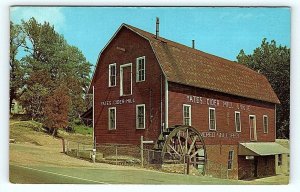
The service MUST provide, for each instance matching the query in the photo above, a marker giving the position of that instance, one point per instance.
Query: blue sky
(219, 31)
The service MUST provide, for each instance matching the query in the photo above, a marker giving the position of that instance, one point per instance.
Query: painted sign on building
(117, 102)
(217, 103)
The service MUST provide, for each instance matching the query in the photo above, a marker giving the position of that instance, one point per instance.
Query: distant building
(144, 83)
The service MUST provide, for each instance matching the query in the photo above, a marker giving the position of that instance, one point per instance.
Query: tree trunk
(54, 132)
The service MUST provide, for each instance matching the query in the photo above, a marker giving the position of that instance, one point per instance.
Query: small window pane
(237, 122)
(112, 118)
(265, 124)
(186, 115)
(140, 69)
(230, 160)
(140, 117)
(212, 119)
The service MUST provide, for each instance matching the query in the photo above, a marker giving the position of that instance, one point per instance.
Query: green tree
(274, 62)
(49, 53)
(16, 68)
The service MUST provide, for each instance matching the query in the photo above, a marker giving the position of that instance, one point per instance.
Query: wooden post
(188, 165)
(77, 150)
(116, 154)
(142, 152)
(63, 145)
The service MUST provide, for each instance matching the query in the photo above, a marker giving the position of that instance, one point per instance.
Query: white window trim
(137, 69)
(266, 116)
(209, 119)
(109, 76)
(136, 116)
(109, 126)
(231, 159)
(237, 112)
(190, 114)
(121, 78)
(255, 132)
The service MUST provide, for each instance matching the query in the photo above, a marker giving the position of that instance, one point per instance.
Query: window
(266, 123)
(126, 79)
(140, 116)
(111, 118)
(112, 75)
(212, 119)
(237, 118)
(252, 122)
(230, 160)
(140, 69)
(279, 159)
(187, 115)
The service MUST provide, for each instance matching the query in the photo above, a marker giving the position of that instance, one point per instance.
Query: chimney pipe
(193, 44)
(157, 27)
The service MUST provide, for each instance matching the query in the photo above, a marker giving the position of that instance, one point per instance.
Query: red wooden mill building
(144, 83)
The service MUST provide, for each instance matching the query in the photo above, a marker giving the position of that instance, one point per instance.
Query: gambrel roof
(185, 65)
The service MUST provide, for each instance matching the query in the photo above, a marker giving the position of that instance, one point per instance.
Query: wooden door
(126, 79)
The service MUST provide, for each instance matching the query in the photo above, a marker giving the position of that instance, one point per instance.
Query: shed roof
(262, 149)
(189, 66)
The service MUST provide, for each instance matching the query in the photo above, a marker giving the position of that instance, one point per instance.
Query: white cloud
(53, 15)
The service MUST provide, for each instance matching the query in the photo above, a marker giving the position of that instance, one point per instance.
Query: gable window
(112, 75)
(187, 114)
(212, 119)
(140, 69)
(265, 123)
(126, 79)
(140, 116)
(237, 117)
(230, 160)
(112, 118)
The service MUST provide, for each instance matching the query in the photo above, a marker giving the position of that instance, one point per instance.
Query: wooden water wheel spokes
(184, 144)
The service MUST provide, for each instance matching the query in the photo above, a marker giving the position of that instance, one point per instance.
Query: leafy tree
(56, 109)
(16, 69)
(274, 62)
(49, 53)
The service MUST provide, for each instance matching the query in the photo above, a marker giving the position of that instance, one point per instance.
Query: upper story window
(187, 115)
(212, 119)
(140, 116)
(237, 117)
(265, 123)
(112, 118)
(252, 123)
(140, 69)
(112, 75)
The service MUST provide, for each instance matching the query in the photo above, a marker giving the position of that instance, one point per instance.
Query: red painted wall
(147, 92)
(225, 114)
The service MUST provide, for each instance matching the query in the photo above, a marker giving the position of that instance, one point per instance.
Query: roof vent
(157, 28)
(193, 44)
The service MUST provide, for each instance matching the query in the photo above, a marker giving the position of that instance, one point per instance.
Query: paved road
(62, 175)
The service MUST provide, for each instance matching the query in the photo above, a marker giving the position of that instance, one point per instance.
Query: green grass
(82, 129)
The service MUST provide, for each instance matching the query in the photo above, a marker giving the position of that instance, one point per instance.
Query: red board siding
(225, 106)
(147, 92)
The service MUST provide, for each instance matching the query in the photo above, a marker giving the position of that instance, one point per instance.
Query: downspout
(94, 144)
(166, 103)
(275, 122)
(161, 110)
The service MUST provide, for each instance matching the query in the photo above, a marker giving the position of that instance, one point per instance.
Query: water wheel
(184, 144)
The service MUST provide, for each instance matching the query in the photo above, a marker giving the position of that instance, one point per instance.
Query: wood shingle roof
(188, 66)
